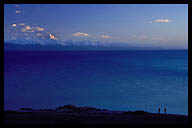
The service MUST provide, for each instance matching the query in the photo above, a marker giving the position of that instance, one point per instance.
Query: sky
(161, 25)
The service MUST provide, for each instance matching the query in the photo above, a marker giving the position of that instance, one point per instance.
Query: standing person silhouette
(159, 110)
(165, 111)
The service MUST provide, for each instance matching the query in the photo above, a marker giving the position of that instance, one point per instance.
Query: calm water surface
(115, 80)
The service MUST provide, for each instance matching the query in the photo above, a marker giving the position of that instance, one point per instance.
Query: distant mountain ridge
(57, 47)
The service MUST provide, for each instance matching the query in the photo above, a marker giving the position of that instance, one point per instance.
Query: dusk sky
(139, 24)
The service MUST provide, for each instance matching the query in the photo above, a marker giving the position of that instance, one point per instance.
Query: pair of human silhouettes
(165, 110)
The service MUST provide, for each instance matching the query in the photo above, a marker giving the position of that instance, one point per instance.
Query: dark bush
(138, 112)
(10, 111)
(67, 106)
(128, 112)
(26, 109)
(45, 110)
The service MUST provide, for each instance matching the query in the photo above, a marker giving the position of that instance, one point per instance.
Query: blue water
(115, 80)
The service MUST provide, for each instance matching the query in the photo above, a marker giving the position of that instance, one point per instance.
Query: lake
(115, 80)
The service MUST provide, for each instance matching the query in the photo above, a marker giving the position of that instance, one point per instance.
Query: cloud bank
(22, 30)
(105, 36)
(17, 11)
(80, 34)
(161, 20)
(13, 25)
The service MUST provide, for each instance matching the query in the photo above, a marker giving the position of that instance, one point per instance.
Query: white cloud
(17, 6)
(39, 34)
(13, 25)
(39, 29)
(161, 20)
(21, 24)
(23, 30)
(17, 11)
(28, 27)
(33, 31)
(80, 34)
(105, 36)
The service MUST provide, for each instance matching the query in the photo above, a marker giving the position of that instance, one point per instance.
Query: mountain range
(59, 45)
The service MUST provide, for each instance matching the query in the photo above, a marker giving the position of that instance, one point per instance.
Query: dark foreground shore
(107, 117)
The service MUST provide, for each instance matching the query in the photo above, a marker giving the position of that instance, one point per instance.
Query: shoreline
(70, 114)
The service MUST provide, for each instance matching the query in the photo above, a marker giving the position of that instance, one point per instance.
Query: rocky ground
(90, 117)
